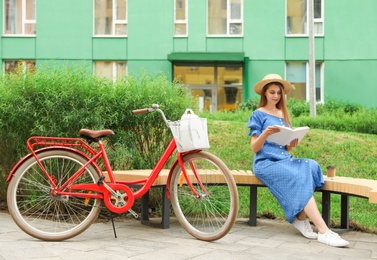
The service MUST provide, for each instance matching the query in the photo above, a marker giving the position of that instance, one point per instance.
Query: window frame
(114, 64)
(114, 22)
(178, 21)
(24, 64)
(320, 99)
(229, 21)
(24, 20)
(320, 21)
(316, 21)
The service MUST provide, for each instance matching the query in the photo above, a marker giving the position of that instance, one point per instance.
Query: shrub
(298, 107)
(334, 115)
(59, 100)
(250, 104)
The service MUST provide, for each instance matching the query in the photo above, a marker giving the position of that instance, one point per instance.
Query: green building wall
(348, 47)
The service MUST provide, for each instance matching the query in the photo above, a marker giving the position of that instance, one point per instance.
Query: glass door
(214, 86)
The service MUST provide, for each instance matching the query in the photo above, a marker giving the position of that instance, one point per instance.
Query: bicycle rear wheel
(45, 216)
(211, 214)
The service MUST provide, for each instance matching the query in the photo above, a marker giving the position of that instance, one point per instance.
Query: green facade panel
(225, 44)
(64, 29)
(18, 48)
(264, 22)
(151, 29)
(347, 48)
(297, 49)
(180, 44)
(197, 27)
(351, 33)
(152, 66)
(352, 81)
(110, 48)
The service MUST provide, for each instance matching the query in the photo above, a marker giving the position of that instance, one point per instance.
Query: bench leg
(344, 217)
(253, 205)
(165, 209)
(165, 221)
(344, 209)
(326, 201)
(145, 207)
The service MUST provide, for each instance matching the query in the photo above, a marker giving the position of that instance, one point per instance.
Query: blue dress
(291, 180)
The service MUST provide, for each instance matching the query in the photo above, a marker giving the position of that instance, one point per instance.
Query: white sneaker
(305, 228)
(332, 239)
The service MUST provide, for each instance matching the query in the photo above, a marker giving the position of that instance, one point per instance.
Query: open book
(287, 135)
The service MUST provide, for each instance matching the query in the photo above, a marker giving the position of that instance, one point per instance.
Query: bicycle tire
(42, 215)
(211, 215)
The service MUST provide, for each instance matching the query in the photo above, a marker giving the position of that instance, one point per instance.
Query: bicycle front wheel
(43, 215)
(210, 213)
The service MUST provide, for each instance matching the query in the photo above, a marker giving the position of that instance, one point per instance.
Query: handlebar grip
(140, 111)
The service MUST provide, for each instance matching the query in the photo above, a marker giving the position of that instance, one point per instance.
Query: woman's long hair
(282, 104)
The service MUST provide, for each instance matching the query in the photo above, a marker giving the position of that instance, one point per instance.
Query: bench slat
(353, 186)
(339, 184)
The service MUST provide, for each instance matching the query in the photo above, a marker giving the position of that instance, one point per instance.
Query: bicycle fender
(20, 162)
(16, 166)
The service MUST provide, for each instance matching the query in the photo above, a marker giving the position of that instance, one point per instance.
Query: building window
(180, 18)
(297, 74)
(318, 17)
(297, 18)
(110, 17)
(19, 17)
(214, 86)
(10, 66)
(225, 17)
(110, 69)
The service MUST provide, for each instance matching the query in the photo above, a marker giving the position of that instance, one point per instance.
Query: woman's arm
(257, 142)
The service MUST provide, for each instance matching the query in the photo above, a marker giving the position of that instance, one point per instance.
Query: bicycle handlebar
(153, 108)
(140, 111)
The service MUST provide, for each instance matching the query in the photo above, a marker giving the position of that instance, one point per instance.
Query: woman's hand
(271, 130)
(292, 144)
(258, 142)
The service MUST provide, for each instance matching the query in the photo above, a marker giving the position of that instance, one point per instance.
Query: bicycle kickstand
(112, 221)
(101, 182)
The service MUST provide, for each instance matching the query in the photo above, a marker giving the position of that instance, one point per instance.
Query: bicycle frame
(107, 189)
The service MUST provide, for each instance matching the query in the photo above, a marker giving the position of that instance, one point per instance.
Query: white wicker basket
(190, 133)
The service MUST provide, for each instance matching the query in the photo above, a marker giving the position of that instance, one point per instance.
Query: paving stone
(270, 239)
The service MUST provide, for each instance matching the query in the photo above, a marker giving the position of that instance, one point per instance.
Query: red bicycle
(56, 191)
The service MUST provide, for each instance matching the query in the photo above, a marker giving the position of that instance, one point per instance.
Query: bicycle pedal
(134, 214)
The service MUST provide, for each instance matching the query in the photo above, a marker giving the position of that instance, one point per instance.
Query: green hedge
(334, 115)
(59, 100)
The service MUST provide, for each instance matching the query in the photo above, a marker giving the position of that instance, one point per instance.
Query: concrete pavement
(268, 240)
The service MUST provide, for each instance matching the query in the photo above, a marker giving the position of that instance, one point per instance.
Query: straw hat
(272, 78)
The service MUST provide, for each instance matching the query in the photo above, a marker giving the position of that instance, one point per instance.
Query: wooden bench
(344, 186)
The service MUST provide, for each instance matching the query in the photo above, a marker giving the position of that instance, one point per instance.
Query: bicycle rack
(36, 142)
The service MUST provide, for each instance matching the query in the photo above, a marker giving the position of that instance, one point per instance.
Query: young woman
(291, 180)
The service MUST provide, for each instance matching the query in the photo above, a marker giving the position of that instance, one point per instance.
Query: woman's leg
(325, 235)
(301, 216)
(313, 213)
